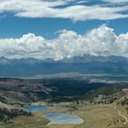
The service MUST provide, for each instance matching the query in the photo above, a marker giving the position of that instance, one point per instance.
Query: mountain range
(85, 64)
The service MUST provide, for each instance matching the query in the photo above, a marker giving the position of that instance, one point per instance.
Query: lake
(33, 108)
(59, 118)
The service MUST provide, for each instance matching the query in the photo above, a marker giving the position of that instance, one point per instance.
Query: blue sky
(51, 19)
(15, 26)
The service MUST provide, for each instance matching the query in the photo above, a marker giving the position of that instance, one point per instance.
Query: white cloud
(116, 1)
(100, 41)
(71, 9)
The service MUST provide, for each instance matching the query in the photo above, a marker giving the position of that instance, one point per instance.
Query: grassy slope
(95, 116)
(27, 122)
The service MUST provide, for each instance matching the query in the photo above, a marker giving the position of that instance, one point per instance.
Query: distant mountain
(88, 58)
(85, 64)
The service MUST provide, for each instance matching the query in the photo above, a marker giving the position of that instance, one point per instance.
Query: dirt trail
(120, 113)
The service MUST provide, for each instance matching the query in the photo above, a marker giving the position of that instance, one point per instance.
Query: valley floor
(94, 116)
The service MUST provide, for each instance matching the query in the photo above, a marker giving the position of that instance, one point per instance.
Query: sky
(59, 29)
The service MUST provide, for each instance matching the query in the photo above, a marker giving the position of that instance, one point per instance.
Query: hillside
(55, 89)
(8, 112)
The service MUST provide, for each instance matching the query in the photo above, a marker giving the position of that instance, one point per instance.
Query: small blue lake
(32, 108)
(58, 118)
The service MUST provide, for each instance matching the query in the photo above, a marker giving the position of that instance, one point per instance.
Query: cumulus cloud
(100, 41)
(69, 9)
